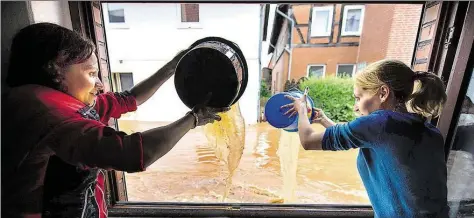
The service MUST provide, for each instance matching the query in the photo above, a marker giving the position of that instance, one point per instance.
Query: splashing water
(288, 150)
(227, 137)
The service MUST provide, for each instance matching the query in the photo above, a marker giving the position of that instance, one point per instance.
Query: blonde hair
(422, 93)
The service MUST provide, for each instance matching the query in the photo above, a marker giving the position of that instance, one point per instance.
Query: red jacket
(39, 123)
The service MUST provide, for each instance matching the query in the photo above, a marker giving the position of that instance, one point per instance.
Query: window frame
(330, 9)
(110, 25)
(116, 80)
(187, 25)
(316, 65)
(116, 195)
(353, 69)
(344, 21)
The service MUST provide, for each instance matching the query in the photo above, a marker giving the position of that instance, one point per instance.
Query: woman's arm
(90, 143)
(310, 140)
(145, 89)
(115, 104)
(159, 141)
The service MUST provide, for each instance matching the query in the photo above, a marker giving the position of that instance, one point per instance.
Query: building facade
(318, 40)
(142, 37)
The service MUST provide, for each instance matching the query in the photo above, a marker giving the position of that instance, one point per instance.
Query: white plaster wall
(152, 36)
(19, 14)
(266, 44)
(51, 11)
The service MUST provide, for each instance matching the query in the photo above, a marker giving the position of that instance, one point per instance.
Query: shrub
(332, 94)
(264, 90)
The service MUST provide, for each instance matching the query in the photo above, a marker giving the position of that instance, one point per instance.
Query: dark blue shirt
(401, 162)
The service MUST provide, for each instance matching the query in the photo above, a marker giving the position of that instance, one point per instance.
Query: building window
(189, 16)
(122, 81)
(189, 12)
(345, 70)
(116, 13)
(352, 20)
(316, 70)
(321, 21)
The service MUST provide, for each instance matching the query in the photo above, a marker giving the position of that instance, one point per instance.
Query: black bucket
(214, 65)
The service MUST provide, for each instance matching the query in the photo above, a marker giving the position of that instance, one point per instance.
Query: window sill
(320, 36)
(144, 209)
(116, 26)
(190, 27)
(350, 35)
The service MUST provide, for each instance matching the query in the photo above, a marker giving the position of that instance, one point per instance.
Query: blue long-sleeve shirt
(401, 162)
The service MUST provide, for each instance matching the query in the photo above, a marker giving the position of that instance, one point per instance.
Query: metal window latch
(449, 37)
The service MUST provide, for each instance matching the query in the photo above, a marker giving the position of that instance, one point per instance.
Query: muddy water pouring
(216, 65)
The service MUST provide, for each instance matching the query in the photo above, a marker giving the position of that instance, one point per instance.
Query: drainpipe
(262, 12)
(290, 50)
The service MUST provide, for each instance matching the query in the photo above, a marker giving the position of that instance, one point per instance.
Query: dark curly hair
(40, 52)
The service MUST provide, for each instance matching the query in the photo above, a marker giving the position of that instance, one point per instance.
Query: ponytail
(422, 93)
(428, 96)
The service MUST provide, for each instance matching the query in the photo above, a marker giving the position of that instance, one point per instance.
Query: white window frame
(187, 25)
(105, 11)
(316, 65)
(330, 20)
(353, 68)
(361, 23)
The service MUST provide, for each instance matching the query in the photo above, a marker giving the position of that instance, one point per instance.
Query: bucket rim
(236, 48)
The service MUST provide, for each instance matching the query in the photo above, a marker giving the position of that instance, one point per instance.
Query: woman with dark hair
(56, 144)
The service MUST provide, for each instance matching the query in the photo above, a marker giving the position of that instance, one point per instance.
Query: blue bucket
(275, 114)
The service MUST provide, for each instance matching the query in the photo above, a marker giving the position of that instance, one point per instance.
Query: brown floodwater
(190, 172)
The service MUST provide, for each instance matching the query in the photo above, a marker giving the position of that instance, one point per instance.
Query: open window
(192, 166)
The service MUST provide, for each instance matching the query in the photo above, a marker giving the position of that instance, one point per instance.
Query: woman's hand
(207, 115)
(319, 115)
(298, 106)
(204, 115)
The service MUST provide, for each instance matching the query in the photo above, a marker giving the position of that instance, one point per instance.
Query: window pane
(193, 171)
(353, 20)
(345, 70)
(320, 22)
(126, 81)
(461, 157)
(316, 71)
(116, 14)
(189, 12)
